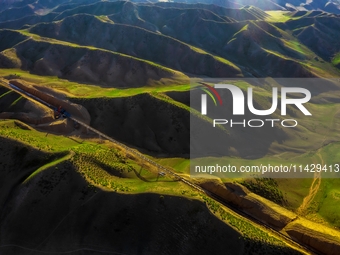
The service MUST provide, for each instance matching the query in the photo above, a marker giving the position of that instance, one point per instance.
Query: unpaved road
(313, 190)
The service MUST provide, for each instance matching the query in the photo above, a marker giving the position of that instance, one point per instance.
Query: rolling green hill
(129, 64)
(196, 40)
(101, 196)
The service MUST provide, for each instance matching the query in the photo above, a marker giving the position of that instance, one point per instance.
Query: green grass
(294, 190)
(250, 231)
(90, 159)
(315, 136)
(180, 164)
(245, 28)
(105, 19)
(304, 56)
(327, 203)
(16, 101)
(227, 62)
(88, 154)
(11, 54)
(299, 47)
(38, 38)
(278, 16)
(309, 138)
(6, 93)
(48, 165)
(74, 89)
(42, 141)
(265, 187)
(336, 59)
(100, 163)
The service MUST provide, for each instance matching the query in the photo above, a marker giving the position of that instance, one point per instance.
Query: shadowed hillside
(155, 123)
(27, 21)
(87, 219)
(291, 5)
(15, 106)
(16, 13)
(76, 63)
(321, 34)
(196, 39)
(131, 66)
(76, 215)
(82, 29)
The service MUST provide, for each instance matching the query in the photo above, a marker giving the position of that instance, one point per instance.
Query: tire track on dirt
(313, 190)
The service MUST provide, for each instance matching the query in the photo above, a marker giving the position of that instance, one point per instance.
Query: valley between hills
(126, 69)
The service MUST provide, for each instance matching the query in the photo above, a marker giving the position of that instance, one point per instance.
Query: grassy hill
(82, 29)
(52, 57)
(194, 39)
(101, 196)
(129, 65)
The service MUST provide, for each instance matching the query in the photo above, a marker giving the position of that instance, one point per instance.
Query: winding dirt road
(313, 190)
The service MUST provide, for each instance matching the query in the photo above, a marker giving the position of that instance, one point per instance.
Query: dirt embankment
(254, 205)
(16, 106)
(75, 110)
(316, 236)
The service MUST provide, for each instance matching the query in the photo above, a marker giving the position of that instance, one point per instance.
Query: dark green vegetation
(122, 44)
(162, 126)
(92, 198)
(267, 188)
(129, 65)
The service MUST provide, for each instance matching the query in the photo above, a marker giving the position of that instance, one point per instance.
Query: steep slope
(42, 4)
(99, 8)
(325, 5)
(143, 121)
(332, 8)
(229, 14)
(263, 5)
(87, 208)
(10, 38)
(156, 123)
(46, 11)
(266, 50)
(212, 36)
(15, 13)
(83, 29)
(27, 21)
(73, 62)
(194, 40)
(321, 34)
(61, 200)
(162, 11)
(14, 106)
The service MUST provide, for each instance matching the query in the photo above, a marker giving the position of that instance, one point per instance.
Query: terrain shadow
(61, 212)
(138, 174)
